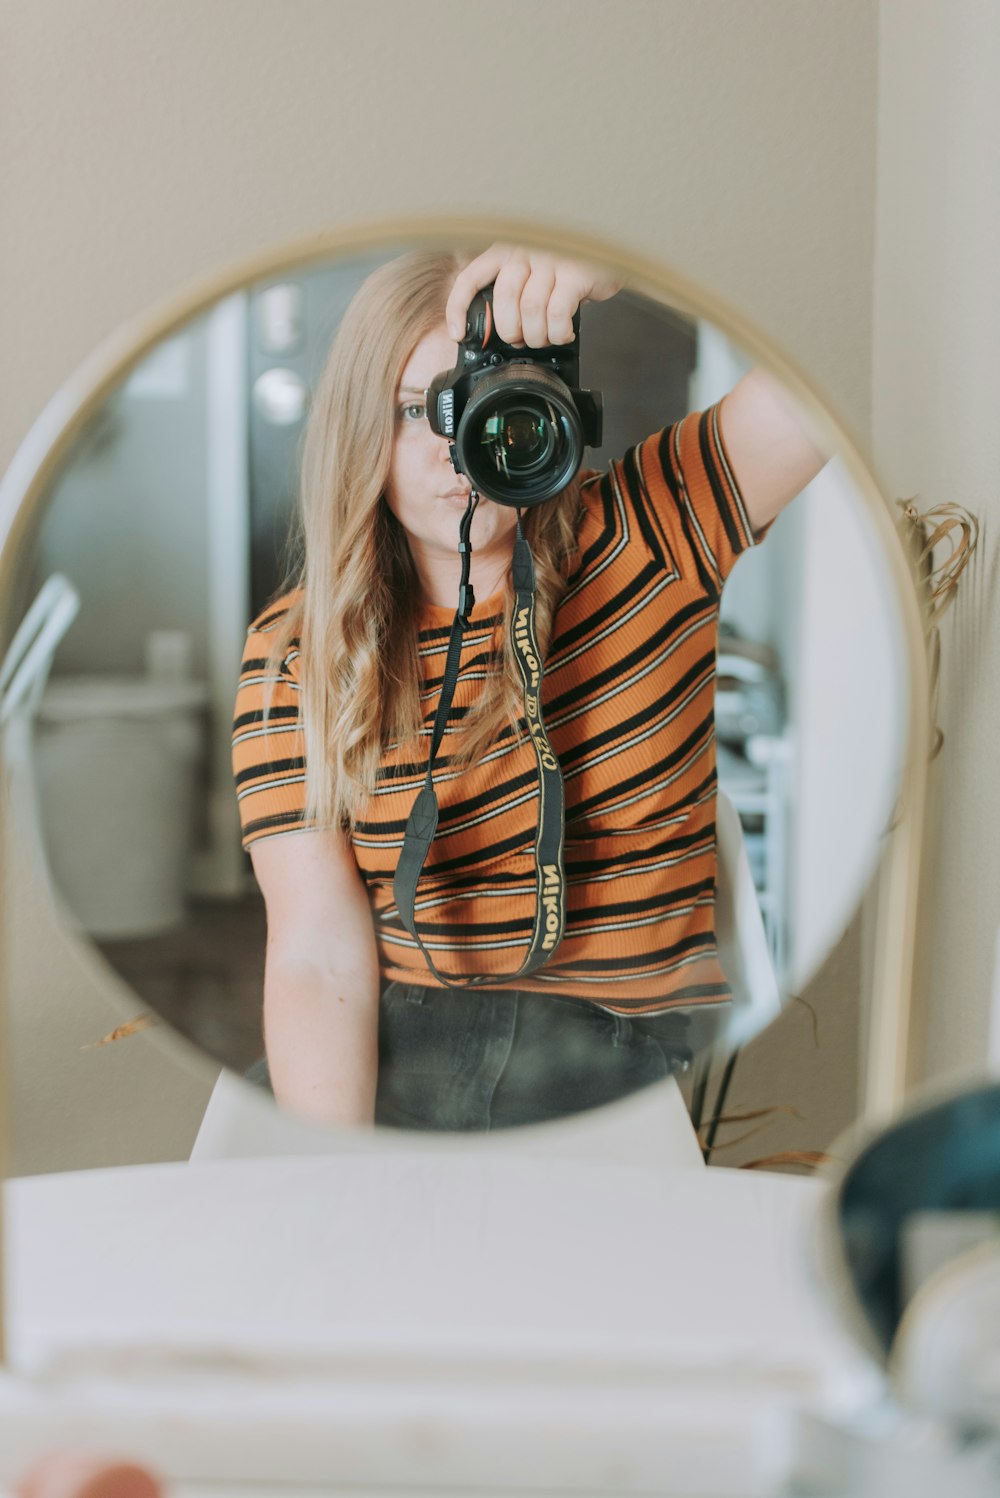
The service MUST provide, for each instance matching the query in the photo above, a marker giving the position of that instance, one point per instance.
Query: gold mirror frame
(24, 488)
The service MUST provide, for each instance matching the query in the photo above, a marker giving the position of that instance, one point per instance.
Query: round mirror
(151, 520)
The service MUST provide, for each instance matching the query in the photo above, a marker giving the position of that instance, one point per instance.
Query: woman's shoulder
(277, 612)
(273, 639)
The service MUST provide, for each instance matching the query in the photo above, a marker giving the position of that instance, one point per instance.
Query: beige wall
(936, 399)
(144, 144)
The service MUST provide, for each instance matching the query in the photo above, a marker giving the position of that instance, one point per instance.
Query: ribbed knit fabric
(628, 696)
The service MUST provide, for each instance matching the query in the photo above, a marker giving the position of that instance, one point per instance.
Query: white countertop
(445, 1319)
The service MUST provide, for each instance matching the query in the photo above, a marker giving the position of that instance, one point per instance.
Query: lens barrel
(520, 439)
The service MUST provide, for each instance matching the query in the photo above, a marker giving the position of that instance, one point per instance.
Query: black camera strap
(550, 880)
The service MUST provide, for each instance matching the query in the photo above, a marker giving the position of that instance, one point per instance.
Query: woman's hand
(534, 296)
(79, 1474)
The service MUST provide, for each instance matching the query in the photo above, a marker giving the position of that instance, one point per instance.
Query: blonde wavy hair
(356, 617)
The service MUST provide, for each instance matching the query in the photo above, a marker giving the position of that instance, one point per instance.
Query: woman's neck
(441, 575)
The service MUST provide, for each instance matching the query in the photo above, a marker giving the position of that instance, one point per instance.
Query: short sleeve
(269, 763)
(691, 488)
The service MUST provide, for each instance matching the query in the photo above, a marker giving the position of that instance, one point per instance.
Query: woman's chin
(493, 524)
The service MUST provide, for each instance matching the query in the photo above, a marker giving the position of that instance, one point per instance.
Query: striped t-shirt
(628, 699)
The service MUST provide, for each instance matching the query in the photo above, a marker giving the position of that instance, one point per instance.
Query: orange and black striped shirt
(628, 698)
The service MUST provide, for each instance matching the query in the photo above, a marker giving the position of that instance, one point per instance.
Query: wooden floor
(206, 978)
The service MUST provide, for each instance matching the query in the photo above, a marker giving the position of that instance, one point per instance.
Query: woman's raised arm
(770, 447)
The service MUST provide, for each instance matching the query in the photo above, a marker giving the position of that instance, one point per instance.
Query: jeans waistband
(418, 993)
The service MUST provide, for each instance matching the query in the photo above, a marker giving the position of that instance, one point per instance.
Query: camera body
(516, 418)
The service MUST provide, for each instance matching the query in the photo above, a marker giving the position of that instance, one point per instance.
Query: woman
(630, 566)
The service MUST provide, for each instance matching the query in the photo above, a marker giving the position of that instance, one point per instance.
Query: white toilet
(116, 764)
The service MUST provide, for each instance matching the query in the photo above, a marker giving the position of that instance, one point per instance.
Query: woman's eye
(415, 411)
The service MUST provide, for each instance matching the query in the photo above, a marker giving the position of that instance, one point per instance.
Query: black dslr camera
(517, 422)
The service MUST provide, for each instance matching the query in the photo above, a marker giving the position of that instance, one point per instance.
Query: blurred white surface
(432, 1318)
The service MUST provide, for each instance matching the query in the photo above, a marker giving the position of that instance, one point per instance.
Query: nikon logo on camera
(446, 411)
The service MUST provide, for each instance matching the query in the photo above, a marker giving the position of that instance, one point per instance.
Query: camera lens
(520, 439)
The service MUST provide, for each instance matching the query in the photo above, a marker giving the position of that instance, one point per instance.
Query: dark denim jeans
(455, 1059)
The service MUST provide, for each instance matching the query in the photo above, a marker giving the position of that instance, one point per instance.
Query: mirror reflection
(688, 919)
